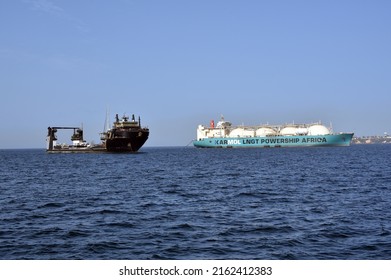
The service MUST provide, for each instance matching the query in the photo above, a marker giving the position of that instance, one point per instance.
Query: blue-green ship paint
(224, 135)
(342, 139)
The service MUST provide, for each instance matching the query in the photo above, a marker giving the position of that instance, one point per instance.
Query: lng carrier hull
(225, 135)
(342, 139)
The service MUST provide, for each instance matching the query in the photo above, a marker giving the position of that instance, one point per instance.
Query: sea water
(188, 203)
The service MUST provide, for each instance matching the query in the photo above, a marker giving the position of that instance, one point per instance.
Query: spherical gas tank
(288, 130)
(241, 132)
(237, 132)
(265, 131)
(318, 129)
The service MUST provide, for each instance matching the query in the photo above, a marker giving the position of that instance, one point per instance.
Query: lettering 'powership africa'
(225, 135)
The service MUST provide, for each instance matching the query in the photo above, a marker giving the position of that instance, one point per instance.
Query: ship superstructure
(125, 135)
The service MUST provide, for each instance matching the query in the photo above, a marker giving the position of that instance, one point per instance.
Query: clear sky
(182, 63)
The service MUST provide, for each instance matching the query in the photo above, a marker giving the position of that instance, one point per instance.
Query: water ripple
(176, 203)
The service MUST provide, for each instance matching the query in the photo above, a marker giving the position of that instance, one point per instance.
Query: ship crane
(77, 134)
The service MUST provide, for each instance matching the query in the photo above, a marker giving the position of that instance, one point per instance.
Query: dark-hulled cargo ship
(124, 136)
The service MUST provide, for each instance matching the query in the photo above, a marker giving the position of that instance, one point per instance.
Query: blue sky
(182, 63)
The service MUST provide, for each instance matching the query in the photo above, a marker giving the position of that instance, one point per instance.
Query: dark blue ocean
(187, 203)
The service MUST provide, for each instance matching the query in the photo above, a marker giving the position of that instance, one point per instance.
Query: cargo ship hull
(127, 141)
(343, 139)
(125, 136)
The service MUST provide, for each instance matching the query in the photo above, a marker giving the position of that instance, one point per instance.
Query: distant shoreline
(372, 140)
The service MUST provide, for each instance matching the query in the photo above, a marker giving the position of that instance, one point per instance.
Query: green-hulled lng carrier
(225, 135)
(124, 136)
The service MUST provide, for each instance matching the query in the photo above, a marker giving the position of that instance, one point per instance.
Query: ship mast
(107, 122)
